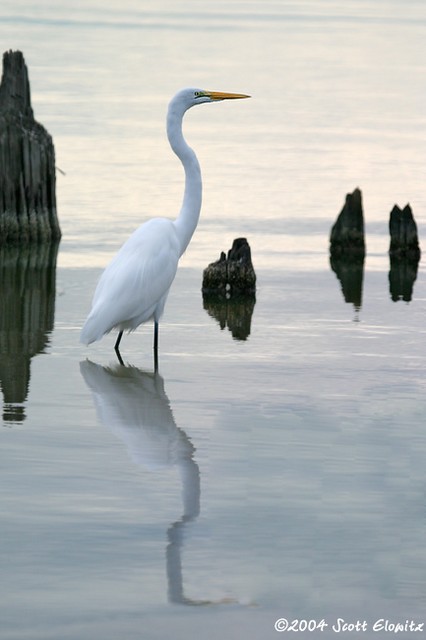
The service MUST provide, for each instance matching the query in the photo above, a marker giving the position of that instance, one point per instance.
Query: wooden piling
(27, 163)
(404, 241)
(347, 233)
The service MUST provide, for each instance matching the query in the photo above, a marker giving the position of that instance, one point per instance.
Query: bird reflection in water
(134, 406)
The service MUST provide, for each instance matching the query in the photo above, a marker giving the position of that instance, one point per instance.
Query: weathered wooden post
(404, 253)
(404, 242)
(347, 233)
(29, 236)
(347, 249)
(27, 163)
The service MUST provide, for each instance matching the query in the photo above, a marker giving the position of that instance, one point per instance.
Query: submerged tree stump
(347, 249)
(229, 289)
(27, 163)
(404, 253)
(404, 242)
(231, 275)
(347, 233)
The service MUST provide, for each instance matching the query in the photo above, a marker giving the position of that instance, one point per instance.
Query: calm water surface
(275, 467)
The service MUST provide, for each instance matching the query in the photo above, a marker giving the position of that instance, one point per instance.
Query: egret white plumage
(134, 287)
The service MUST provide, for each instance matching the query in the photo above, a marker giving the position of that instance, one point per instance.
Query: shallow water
(282, 475)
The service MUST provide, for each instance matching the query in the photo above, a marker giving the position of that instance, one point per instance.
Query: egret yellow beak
(220, 95)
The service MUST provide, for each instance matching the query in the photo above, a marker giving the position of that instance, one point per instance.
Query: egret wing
(135, 281)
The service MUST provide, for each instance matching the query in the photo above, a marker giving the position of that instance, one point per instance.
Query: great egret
(134, 287)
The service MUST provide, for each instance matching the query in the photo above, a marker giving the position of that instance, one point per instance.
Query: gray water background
(278, 476)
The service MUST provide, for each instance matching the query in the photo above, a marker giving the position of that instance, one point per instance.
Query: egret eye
(198, 94)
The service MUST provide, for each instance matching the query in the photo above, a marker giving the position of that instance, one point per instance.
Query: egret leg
(155, 336)
(116, 347)
(156, 346)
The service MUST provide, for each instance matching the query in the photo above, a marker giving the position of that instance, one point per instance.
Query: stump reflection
(404, 253)
(234, 312)
(350, 273)
(402, 276)
(27, 309)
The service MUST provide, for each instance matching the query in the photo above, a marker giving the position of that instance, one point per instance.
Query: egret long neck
(187, 219)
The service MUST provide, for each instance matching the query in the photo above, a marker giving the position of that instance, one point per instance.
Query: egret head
(187, 98)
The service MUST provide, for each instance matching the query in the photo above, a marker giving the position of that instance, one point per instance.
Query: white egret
(133, 288)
